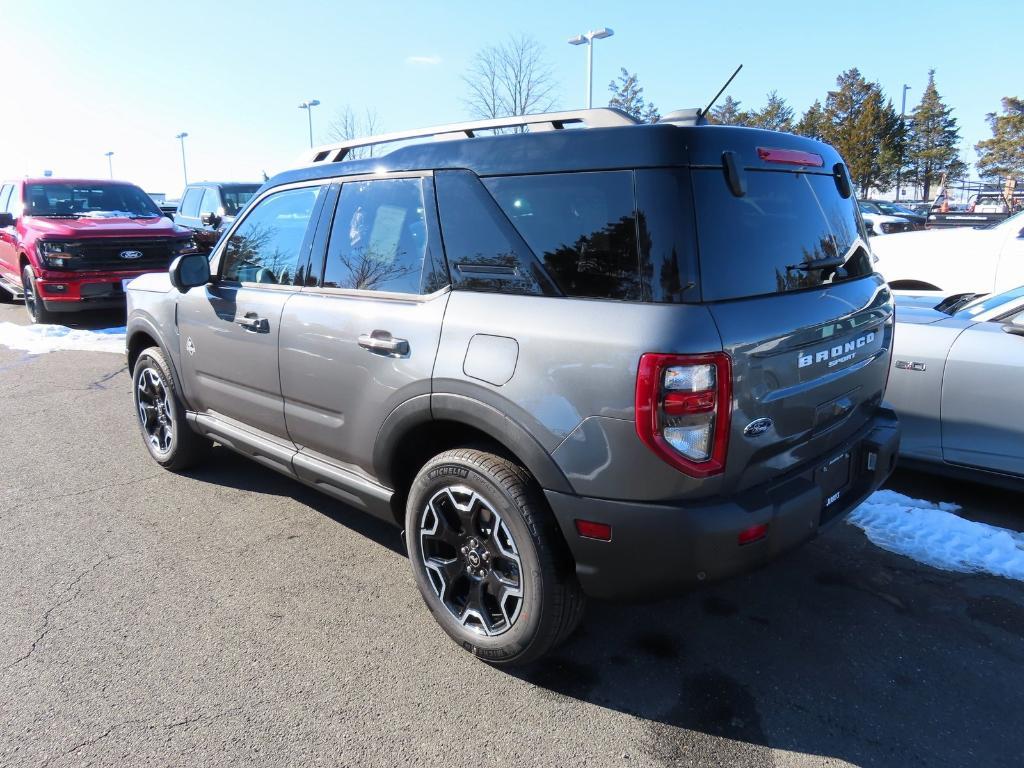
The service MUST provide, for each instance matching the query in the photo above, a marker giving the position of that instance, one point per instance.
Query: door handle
(255, 324)
(382, 341)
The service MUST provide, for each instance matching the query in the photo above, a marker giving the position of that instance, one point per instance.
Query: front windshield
(986, 303)
(88, 200)
(868, 207)
(895, 209)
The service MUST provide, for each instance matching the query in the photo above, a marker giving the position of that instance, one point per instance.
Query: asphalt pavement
(231, 617)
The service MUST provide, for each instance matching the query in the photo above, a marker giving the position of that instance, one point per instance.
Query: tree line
(513, 77)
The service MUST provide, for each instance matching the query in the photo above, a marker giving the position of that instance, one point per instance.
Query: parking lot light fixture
(184, 168)
(110, 163)
(587, 39)
(308, 106)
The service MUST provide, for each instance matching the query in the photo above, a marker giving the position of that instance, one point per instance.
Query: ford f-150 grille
(136, 254)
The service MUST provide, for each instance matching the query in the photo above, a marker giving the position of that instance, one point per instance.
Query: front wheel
(488, 558)
(161, 414)
(37, 311)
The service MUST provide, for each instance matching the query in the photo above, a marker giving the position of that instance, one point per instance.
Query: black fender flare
(473, 413)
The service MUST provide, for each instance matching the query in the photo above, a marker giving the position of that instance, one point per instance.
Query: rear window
(755, 244)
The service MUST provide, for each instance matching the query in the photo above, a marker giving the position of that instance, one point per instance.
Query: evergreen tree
(628, 95)
(1003, 154)
(812, 124)
(932, 140)
(776, 115)
(728, 113)
(865, 129)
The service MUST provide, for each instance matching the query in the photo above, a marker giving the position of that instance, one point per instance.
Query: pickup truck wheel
(33, 304)
(488, 558)
(161, 414)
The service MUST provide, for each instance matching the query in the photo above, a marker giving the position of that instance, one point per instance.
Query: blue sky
(83, 78)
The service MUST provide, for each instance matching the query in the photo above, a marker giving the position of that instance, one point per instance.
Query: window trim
(217, 257)
(433, 240)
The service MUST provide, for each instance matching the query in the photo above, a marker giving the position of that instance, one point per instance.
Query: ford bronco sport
(72, 244)
(588, 358)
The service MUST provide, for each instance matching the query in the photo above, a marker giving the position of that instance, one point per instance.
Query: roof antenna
(707, 109)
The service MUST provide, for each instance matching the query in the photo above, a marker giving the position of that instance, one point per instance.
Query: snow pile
(37, 339)
(933, 535)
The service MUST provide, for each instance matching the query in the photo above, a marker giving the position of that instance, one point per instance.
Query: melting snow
(37, 339)
(933, 535)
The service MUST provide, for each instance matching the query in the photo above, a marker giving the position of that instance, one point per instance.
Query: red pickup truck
(72, 244)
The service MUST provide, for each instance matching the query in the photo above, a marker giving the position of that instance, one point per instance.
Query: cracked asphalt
(231, 617)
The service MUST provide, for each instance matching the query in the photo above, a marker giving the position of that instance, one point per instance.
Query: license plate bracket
(832, 477)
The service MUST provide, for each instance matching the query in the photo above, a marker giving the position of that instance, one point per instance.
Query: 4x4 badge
(189, 346)
(758, 427)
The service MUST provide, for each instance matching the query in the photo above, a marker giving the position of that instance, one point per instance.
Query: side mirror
(210, 219)
(6, 220)
(190, 270)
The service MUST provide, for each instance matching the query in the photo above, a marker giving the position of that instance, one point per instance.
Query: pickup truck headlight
(886, 227)
(57, 254)
(187, 245)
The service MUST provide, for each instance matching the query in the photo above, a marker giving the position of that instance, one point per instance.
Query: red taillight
(752, 534)
(683, 404)
(789, 157)
(588, 529)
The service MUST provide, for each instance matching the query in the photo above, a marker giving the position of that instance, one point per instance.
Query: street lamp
(308, 106)
(110, 163)
(184, 168)
(588, 39)
(903, 127)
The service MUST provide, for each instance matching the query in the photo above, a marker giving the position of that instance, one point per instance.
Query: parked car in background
(617, 361)
(987, 260)
(72, 244)
(879, 223)
(957, 383)
(209, 207)
(886, 208)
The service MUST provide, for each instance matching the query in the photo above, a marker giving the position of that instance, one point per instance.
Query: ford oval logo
(758, 427)
(131, 255)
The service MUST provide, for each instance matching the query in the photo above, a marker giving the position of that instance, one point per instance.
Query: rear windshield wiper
(818, 264)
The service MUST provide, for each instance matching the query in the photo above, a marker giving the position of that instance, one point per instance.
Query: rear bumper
(661, 549)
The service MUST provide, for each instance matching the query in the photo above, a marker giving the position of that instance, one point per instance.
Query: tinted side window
(581, 225)
(190, 202)
(5, 195)
(668, 242)
(484, 250)
(755, 244)
(14, 203)
(211, 202)
(270, 246)
(378, 239)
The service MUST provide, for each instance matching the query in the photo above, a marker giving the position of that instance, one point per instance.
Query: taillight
(683, 404)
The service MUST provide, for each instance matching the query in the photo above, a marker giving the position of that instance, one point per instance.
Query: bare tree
(508, 79)
(348, 125)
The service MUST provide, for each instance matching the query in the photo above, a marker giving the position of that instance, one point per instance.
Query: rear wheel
(161, 414)
(488, 558)
(37, 312)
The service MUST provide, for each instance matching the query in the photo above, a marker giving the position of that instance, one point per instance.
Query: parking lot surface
(228, 616)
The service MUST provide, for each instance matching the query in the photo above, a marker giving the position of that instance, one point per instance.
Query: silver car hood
(919, 309)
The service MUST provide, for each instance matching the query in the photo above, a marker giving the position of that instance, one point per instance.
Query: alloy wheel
(154, 405)
(471, 560)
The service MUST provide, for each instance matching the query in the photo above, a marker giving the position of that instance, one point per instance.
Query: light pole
(308, 106)
(110, 163)
(184, 168)
(903, 127)
(588, 39)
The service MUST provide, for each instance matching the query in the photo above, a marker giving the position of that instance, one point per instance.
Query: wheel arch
(426, 425)
(143, 334)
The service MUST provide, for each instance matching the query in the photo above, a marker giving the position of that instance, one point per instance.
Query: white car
(957, 260)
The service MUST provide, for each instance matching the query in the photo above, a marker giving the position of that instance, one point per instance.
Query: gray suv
(588, 357)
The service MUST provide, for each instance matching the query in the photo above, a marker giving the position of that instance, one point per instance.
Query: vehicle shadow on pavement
(94, 320)
(228, 469)
(840, 650)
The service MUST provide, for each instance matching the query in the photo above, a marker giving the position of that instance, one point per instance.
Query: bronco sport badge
(840, 353)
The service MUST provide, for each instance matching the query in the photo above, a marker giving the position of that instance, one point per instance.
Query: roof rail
(551, 121)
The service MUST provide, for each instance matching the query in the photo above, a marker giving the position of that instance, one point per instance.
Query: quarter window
(581, 225)
(270, 246)
(378, 239)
